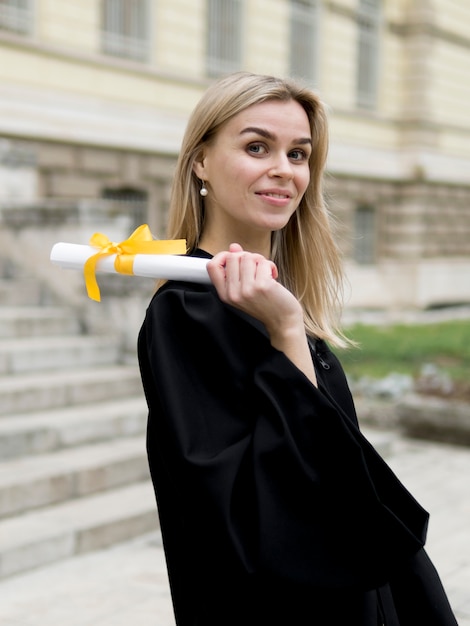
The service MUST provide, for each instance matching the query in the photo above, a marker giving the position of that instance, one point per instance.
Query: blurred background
(94, 99)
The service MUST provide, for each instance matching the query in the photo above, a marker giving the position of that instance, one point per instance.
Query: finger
(248, 269)
(232, 273)
(217, 263)
(274, 270)
(216, 269)
(265, 268)
(224, 272)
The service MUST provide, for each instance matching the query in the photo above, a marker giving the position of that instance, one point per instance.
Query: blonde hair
(304, 250)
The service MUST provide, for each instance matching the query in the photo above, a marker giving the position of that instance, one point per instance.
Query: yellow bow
(140, 242)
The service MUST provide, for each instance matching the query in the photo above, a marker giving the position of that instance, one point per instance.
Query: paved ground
(127, 585)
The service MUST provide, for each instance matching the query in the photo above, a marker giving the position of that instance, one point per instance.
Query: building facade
(94, 98)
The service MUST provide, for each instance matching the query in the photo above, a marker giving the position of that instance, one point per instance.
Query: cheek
(303, 181)
(242, 173)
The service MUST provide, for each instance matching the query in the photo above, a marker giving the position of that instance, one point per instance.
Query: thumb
(235, 247)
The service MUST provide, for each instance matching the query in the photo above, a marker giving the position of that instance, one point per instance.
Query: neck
(213, 245)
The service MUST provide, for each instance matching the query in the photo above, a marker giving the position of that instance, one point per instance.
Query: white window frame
(16, 16)
(304, 34)
(224, 36)
(368, 50)
(125, 29)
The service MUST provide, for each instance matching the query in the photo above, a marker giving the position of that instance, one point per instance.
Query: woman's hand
(248, 282)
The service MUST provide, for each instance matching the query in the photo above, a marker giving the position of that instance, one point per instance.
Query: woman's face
(256, 170)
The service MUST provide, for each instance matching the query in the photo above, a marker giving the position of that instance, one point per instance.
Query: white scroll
(164, 266)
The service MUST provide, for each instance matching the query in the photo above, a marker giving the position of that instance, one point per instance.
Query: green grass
(406, 348)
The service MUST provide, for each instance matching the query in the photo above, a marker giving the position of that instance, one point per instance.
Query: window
(368, 52)
(224, 36)
(364, 235)
(125, 28)
(16, 16)
(129, 202)
(303, 39)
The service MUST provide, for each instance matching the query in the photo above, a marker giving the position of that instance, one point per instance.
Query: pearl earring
(203, 190)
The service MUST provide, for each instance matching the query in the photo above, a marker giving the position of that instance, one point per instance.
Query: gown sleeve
(267, 472)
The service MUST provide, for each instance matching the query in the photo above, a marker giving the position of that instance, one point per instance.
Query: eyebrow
(268, 135)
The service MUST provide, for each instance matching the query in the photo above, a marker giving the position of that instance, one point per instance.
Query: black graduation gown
(274, 509)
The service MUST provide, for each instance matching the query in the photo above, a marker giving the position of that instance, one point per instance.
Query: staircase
(73, 469)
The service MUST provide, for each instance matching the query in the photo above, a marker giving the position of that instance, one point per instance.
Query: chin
(277, 224)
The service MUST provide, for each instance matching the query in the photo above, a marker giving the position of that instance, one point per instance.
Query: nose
(281, 167)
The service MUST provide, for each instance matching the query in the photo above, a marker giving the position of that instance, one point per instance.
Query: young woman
(274, 509)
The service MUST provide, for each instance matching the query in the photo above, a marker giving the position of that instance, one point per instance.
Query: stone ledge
(434, 418)
(418, 416)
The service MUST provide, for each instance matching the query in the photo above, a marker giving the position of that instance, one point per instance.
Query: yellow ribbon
(140, 242)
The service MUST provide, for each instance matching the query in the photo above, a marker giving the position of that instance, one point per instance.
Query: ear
(199, 165)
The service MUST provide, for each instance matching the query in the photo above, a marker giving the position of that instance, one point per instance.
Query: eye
(257, 149)
(298, 155)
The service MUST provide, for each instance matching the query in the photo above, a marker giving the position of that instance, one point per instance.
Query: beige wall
(424, 58)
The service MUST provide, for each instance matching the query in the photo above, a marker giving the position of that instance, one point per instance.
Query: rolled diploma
(168, 266)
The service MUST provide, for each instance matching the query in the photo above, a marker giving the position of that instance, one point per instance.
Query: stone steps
(39, 481)
(55, 429)
(41, 537)
(37, 392)
(14, 293)
(73, 469)
(29, 354)
(31, 321)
